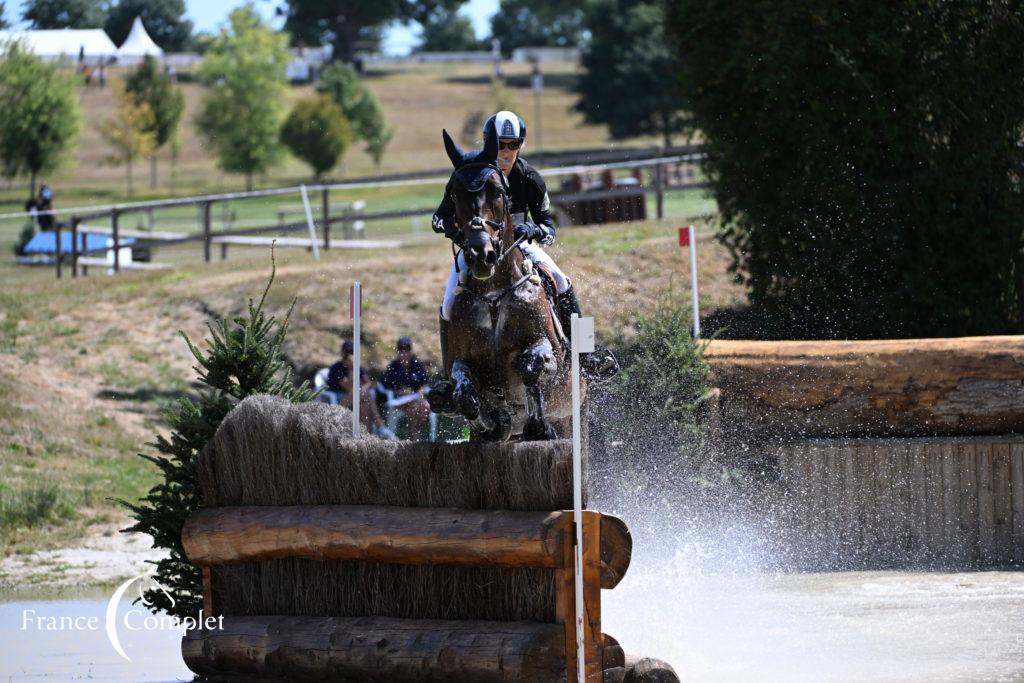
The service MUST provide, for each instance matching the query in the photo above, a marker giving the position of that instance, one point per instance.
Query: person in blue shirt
(405, 376)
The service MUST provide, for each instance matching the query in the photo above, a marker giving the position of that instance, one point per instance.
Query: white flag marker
(355, 312)
(582, 333)
(688, 238)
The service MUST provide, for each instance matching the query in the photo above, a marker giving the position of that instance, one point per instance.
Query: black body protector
(529, 203)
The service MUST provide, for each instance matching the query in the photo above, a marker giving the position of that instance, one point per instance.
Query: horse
(508, 356)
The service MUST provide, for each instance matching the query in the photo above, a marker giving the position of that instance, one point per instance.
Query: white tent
(92, 43)
(137, 45)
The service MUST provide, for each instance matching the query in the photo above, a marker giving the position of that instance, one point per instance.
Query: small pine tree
(317, 132)
(243, 357)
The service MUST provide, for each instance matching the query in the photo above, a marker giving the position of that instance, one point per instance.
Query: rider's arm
(540, 205)
(444, 219)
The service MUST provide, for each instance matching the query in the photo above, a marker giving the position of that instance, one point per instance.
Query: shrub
(317, 132)
(864, 158)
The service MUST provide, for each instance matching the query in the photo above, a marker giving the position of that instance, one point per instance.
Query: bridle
(479, 223)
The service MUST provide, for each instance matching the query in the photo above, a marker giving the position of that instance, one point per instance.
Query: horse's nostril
(491, 258)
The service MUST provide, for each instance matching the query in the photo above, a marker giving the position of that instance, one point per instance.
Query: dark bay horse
(509, 363)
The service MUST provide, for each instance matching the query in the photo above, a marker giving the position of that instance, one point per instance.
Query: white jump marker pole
(688, 237)
(356, 311)
(310, 223)
(582, 333)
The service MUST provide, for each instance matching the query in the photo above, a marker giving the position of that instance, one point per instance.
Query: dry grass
(418, 101)
(87, 363)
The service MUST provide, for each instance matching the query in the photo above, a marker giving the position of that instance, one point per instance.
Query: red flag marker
(684, 236)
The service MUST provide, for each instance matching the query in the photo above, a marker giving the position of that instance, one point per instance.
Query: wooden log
(472, 538)
(377, 649)
(649, 670)
(970, 385)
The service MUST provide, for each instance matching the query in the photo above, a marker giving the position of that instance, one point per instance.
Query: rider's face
(506, 156)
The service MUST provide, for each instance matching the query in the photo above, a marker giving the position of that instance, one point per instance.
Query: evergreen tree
(445, 30)
(39, 115)
(535, 23)
(151, 84)
(243, 357)
(241, 113)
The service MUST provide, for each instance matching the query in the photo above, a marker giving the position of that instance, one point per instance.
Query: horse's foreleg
(467, 400)
(534, 363)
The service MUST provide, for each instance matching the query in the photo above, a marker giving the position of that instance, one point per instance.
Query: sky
(207, 15)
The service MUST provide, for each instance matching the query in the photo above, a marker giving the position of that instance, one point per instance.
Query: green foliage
(865, 160)
(349, 24)
(150, 84)
(33, 505)
(447, 31)
(628, 65)
(317, 132)
(4, 24)
(360, 107)
(39, 115)
(243, 357)
(129, 133)
(519, 23)
(241, 113)
(164, 20)
(52, 14)
(663, 377)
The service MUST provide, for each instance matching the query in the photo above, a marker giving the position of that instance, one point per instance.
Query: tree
(866, 162)
(447, 31)
(4, 24)
(240, 115)
(164, 20)
(344, 23)
(51, 14)
(129, 132)
(360, 107)
(317, 132)
(628, 67)
(242, 358)
(150, 84)
(550, 23)
(39, 115)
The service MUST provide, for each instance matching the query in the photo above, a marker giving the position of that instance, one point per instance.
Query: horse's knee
(534, 362)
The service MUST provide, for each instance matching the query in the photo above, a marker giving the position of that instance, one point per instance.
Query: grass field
(87, 364)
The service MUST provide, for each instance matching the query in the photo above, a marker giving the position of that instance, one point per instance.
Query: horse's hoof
(502, 429)
(466, 403)
(538, 430)
(441, 400)
(599, 365)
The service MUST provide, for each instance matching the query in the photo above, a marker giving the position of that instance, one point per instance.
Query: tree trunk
(908, 387)
(152, 170)
(128, 168)
(248, 182)
(32, 185)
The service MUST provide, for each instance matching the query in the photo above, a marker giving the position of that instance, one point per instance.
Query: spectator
(45, 203)
(339, 380)
(406, 377)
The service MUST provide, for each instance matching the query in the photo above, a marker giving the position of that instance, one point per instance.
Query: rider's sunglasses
(511, 144)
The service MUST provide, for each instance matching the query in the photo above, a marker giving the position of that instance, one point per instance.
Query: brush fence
(363, 560)
(924, 501)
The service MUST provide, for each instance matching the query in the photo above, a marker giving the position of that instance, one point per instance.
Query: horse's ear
(453, 151)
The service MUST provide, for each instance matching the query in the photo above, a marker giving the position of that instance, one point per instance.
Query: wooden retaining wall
(940, 501)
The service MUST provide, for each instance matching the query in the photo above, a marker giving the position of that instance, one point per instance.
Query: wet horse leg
(533, 363)
(465, 397)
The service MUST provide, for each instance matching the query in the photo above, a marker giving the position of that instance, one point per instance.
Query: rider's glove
(529, 232)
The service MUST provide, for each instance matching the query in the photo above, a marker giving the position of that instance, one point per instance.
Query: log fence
(379, 648)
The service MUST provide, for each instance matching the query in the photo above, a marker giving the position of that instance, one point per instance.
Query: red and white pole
(688, 238)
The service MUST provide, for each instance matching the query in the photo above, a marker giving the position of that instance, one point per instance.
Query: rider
(528, 194)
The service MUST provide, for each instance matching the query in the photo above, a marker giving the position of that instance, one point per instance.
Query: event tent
(137, 45)
(93, 44)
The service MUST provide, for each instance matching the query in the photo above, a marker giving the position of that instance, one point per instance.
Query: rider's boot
(597, 365)
(440, 395)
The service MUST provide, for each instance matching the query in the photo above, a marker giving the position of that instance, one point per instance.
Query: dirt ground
(88, 363)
